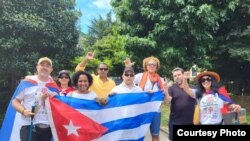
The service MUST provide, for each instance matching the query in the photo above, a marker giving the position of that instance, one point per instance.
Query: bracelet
(22, 112)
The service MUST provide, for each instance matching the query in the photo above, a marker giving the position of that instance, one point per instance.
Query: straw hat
(208, 73)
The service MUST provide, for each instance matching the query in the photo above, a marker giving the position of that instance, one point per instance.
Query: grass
(248, 118)
(165, 116)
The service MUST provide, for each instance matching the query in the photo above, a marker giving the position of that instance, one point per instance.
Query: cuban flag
(126, 117)
(10, 130)
(223, 94)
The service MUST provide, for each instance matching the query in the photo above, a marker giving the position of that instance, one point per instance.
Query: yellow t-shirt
(100, 88)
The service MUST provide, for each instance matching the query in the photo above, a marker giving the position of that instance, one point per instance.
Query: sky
(91, 9)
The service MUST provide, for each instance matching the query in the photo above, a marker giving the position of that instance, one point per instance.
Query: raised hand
(90, 55)
(186, 75)
(165, 86)
(128, 62)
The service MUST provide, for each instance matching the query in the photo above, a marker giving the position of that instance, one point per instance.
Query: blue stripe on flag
(140, 139)
(224, 98)
(129, 123)
(53, 89)
(116, 100)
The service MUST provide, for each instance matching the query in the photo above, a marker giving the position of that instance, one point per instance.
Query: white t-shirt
(89, 96)
(123, 88)
(31, 96)
(148, 86)
(210, 105)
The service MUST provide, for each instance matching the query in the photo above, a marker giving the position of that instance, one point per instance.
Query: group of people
(181, 95)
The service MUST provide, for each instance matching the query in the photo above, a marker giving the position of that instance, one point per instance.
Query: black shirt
(182, 105)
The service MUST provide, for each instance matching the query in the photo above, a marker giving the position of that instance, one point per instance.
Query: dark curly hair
(76, 76)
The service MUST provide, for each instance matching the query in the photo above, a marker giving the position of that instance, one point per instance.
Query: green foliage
(104, 39)
(211, 34)
(110, 49)
(183, 31)
(32, 29)
(239, 45)
(99, 28)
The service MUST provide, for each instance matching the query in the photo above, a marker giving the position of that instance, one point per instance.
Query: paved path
(163, 136)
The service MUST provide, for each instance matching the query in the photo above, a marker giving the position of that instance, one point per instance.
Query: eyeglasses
(64, 77)
(103, 69)
(131, 75)
(209, 79)
(151, 64)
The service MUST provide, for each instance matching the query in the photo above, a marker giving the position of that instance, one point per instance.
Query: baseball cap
(63, 72)
(44, 59)
(128, 69)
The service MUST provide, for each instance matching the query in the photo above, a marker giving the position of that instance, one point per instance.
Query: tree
(109, 49)
(209, 33)
(104, 39)
(32, 29)
(184, 31)
(233, 54)
(99, 28)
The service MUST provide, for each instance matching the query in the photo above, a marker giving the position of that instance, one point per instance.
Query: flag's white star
(72, 129)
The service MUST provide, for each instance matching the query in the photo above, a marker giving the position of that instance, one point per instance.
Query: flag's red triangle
(86, 129)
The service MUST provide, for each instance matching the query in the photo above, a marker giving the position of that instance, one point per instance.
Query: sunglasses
(154, 65)
(103, 69)
(130, 75)
(209, 79)
(64, 77)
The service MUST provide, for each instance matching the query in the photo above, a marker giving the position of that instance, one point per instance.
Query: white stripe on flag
(15, 134)
(106, 115)
(52, 126)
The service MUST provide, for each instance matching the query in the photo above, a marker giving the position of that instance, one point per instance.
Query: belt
(40, 125)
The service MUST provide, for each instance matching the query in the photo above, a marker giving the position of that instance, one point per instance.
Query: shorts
(156, 125)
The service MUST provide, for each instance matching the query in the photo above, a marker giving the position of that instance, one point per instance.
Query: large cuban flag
(126, 117)
(11, 123)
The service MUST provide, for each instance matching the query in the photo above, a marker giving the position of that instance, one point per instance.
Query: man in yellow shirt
(102, 85)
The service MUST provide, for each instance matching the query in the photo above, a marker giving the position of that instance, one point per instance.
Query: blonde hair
(146, 60)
